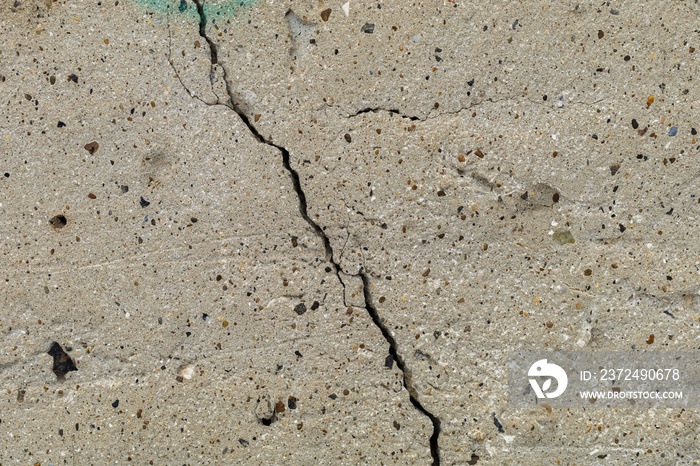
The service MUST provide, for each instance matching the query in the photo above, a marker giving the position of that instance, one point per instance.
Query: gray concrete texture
(311, 232)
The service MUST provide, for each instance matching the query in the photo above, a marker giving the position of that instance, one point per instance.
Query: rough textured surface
(311, 232)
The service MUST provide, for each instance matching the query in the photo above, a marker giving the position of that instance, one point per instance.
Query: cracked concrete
(311, 232)
(365, 281)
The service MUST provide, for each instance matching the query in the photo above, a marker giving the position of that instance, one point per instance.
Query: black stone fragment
(389, 361)
(368, 28)
(498, 424)
(62, 363)
(300, 308)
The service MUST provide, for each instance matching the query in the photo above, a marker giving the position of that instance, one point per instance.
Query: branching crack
(303, 210)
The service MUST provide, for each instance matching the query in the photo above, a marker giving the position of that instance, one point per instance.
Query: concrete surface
(311, 232)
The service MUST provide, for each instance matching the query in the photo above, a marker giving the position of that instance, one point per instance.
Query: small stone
(300, 308)
(92, 147)
(186, 371)
(635, 125)
(144, 202)
(292, 402)
(73, 78)
(115, 404)
(563, 237)
(368, 28)
(673, 131)
(614, 168)
(389, 362)
(325, 14)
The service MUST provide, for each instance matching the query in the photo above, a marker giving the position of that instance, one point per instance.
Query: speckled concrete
(312, 232)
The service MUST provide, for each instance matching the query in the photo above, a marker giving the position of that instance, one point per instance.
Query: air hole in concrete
(59, 221)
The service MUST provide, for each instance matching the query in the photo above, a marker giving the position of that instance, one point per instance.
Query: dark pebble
(673, 131)
(183, 6)
(300, 308)
(498, 424)
(292, 402)
(368, 28)
(389, 361)
(92, 147)
(73, 78)
(245, 443)
(635, 125)
(144, 202)
(61, 124)
(115, 404)
(62, 363)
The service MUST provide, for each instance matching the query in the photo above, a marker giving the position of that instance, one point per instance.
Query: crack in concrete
(490, 100)
(296, 182)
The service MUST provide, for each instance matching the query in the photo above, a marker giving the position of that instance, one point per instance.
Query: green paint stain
(213, 10)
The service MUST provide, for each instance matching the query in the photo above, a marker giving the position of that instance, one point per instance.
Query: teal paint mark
(214, 10)
(226, 9)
